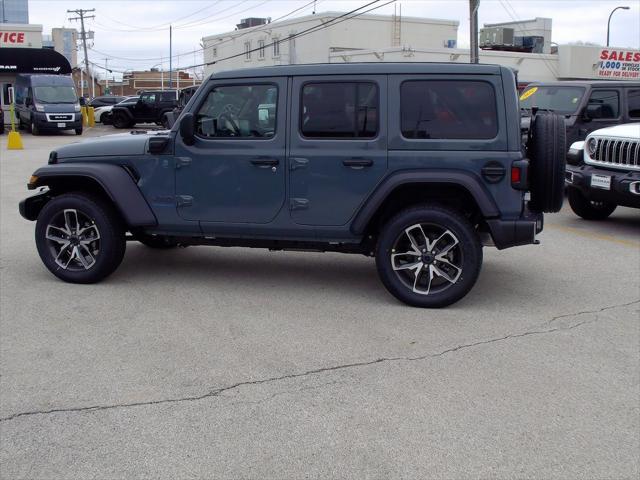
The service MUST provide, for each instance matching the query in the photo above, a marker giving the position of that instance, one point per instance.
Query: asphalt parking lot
(242, 363)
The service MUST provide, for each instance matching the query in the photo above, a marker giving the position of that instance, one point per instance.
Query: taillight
(520, 175)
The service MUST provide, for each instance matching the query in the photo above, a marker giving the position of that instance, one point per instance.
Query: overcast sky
(134, 33)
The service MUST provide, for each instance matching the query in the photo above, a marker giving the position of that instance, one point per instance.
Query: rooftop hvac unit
(496, 36)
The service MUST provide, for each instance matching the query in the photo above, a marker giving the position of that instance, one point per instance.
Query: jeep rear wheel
(428, 256)
(120, 120)
(589, 209)
(80, 239)
(547, 151)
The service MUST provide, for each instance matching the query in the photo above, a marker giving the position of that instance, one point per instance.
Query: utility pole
(474, 56)
(106, 76)
(170, 58)
(82, 16)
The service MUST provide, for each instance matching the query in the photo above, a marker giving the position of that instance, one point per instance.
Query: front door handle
(265, 162)
(357, 162)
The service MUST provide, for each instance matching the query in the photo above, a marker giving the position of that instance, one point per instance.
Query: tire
(67, 257)
(589, 209)
(104, 118)
(78, 131)
(160, 242)
(120, 120)
(34, 128)
(455, 251)
(547, 150)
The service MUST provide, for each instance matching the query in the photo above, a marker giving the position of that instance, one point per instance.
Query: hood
(627, 130)
(120, 144)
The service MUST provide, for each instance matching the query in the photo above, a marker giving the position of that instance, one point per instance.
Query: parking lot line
(597, 236)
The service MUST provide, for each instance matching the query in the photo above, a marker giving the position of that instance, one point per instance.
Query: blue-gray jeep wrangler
(417, 165)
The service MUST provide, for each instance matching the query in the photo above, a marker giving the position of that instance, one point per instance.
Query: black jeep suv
(417, 165)
(150, 108)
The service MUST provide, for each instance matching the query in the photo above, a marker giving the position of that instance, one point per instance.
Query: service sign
(619, 64)
(9, 38)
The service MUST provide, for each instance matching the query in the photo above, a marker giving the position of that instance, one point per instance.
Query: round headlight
(592, 146)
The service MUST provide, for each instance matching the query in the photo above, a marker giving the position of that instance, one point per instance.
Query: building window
(247, 50)
(215, 52)
(239, 112)
(261, 49)
(339, 110)
(435, 109)
(276, 47)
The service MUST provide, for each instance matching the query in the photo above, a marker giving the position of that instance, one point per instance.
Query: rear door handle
(357, 162)
(265, 162)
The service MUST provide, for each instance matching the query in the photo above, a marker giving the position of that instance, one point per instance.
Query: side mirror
(591, 111)
(28, 102)
(188, 128)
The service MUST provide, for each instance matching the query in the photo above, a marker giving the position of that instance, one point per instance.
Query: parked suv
(183, 98)
(606, 172)
(417, 165)
(585, 105)
(150, 108)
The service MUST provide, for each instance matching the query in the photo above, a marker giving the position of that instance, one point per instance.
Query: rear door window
(339, 110)
(436, 109)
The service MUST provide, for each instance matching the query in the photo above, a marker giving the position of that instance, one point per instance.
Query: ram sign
(617, 64)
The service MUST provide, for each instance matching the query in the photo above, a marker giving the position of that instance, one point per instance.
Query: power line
(233, 37)
(334, 21)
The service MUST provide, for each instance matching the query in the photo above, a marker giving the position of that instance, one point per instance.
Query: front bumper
(46, 121)
(30, 207)
(624, 189)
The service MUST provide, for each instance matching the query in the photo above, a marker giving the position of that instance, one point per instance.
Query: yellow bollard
(14, 141)
(92, 117)
(85, 118)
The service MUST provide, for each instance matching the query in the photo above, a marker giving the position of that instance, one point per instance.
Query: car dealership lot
(205, 361)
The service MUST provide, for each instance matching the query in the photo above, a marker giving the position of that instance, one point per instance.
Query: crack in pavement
(217, 392)
(603, 309)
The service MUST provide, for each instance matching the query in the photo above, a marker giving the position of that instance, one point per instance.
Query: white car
(103, 114)
(604, 171)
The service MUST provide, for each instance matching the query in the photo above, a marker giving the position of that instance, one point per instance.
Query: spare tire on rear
(547, 150)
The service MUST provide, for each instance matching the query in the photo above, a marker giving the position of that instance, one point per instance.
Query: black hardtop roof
(586, 83)
(380, 68)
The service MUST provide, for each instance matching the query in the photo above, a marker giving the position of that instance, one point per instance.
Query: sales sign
(616, 64)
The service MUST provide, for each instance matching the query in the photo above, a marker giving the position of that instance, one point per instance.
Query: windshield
(55, 94)
(129, 100)
(563, 100)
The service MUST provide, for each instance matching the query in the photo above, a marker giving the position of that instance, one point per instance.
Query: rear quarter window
(456, 110)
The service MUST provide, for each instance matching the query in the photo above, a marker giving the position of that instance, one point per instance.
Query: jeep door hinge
(182, 162)
(299, 204)
(184, 200)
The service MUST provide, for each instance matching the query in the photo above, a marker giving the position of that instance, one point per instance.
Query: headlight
(592, 146)
(77, 107)
(39, 108)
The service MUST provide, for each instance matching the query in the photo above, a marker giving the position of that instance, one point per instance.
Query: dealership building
(393, 38)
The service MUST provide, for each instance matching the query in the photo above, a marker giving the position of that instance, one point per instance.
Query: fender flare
(122, 109)
(116, 182)
(470, 182)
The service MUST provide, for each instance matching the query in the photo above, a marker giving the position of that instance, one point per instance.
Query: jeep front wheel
(120, 120)
(80, 238)
(589, 209)
(429, 256)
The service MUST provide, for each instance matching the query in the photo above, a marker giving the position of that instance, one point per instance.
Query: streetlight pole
(609, 21)
(474, 53)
